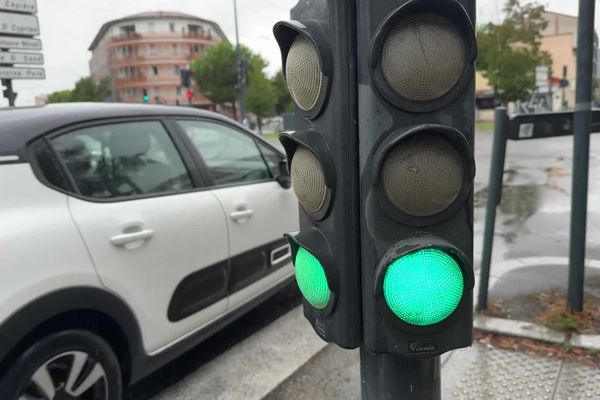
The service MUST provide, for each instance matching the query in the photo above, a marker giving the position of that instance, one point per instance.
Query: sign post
(18, 26)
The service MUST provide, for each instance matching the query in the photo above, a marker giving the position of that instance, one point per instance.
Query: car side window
(123, 159)
(230, 156)
(272, 158)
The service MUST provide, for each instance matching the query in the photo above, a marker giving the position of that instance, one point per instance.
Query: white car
(128, 234)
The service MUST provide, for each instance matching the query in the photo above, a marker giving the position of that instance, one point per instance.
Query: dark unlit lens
(423, 175)
(423, 57)
(308, 180)
(303, 73)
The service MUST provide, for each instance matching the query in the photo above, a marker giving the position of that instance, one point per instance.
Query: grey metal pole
(493, 199)
(386, 376)
(581, 153)
(239, 70)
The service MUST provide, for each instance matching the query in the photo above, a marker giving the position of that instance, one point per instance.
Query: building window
(195, 30)
(172, 26)
(152, 49)
(127, 30)
(150, 26)
(178, 90)
(154, 69)
(156, 91)
(177, 70)
(175, 48)
(196, 48)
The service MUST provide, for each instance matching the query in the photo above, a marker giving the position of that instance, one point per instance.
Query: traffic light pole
(581, 153)
(239, 69)
(387, 376)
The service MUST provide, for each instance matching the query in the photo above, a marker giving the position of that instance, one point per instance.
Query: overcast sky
(69, 26)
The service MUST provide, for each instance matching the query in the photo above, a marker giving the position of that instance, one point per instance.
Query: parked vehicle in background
(128, 234)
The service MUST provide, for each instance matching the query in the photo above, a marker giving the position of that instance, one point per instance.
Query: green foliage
(284, 100)
(260, 94)
(86, 89)
(215, 72)
(63, 96)
(510, 51)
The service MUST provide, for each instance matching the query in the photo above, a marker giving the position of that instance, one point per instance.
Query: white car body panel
(189, 233)
(41, 250)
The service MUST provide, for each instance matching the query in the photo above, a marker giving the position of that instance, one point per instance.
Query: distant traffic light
(186, 78)
(323, 162)
(145, 97)
(416, 70)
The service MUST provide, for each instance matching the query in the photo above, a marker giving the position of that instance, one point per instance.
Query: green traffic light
(146, 98)
(311, 279)
(424, 287)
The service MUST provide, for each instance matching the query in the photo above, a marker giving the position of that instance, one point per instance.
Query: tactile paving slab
(578, 382)
(494, 374)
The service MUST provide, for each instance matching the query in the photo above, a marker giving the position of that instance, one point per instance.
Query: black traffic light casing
(389, 120)
(327, 128)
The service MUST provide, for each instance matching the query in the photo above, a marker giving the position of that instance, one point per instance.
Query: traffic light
(416, 105)
(186, 78)
(145, 97)
(318, 52)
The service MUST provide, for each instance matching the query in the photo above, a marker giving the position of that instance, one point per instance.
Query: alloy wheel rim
(73, 375)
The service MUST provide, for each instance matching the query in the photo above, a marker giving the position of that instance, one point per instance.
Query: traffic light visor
(423, 287)
(311, 279)
(303, 73)
(423, 174)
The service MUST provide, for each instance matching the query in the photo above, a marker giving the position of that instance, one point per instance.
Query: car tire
(69, 364)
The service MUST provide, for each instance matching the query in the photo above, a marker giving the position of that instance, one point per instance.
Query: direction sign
(24, 6)
(22, 73)
(19, 24)
(21, 58)
(9, 42)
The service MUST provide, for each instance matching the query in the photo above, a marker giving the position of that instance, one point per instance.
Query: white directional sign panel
(9, 42)
(19, 24)
(24, 6)
(21, 58)
(22, 73)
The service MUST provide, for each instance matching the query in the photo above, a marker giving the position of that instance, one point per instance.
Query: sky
(69, 26)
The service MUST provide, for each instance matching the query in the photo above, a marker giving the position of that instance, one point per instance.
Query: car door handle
(120, 240)
(242, 214)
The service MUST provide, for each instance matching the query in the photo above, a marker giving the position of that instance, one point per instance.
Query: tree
(509, 52)
(260, 95)
(216, 75)
(284, 100)
(63, 96)
(86, 89)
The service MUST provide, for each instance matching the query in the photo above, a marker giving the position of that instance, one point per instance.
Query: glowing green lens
(311, 279)
(424, 287)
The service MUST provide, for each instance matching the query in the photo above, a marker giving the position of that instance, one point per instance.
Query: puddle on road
(518, 203)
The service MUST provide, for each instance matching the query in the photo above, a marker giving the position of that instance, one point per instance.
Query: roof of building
(22, 125)
(153, 15)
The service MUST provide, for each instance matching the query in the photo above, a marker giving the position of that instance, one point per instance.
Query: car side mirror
(283, 177)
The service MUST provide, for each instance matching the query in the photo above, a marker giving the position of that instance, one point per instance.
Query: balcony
(198, 35)
(131, 80)
(125, 37)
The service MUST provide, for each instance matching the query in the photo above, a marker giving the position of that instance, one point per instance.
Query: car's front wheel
(67, 365)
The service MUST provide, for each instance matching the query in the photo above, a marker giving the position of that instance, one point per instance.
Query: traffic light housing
(416, 111)
(319, 51)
